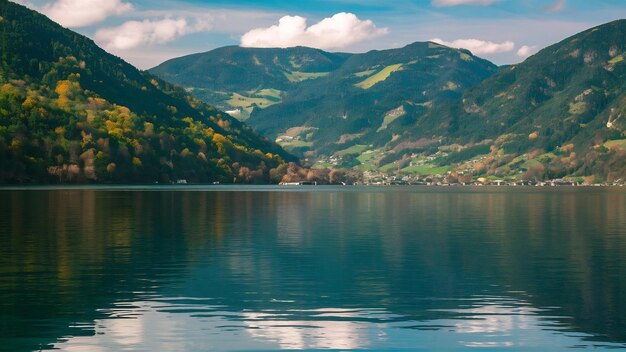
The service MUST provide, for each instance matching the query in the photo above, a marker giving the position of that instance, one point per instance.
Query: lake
(218, 268)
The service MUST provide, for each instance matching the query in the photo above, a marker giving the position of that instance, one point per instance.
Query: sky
(148, 32)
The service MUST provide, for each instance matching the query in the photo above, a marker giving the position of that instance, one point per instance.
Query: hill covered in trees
(295, 94)
(426, 109)
(559, 113)
(242, 79)
(70, 112)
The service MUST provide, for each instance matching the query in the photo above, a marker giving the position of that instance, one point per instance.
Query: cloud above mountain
(336, 32)
(526, 50)
(132, 34)
(81, 13)
(477, 46)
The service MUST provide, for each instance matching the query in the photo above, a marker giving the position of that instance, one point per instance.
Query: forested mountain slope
(69, 111)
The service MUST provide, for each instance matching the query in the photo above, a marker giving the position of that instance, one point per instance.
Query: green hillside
(551, 113)
(238, 79)
(427, 109)
(555, 115)
(375, 95)
(70, 112)
(367, 98)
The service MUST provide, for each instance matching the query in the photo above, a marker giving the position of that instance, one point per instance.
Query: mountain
(558, 113)
(564, 90)
(427, 110)
(371, 98)
(71, 112)
(365, 97)
(236, 78)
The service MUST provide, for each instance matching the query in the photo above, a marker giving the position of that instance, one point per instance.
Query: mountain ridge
(424, 70)
(235, 78)
(71, 112)
(557, 114)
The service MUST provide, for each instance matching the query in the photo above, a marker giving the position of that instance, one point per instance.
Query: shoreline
(271, 187)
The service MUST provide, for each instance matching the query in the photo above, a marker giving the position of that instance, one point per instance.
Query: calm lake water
(266, 268)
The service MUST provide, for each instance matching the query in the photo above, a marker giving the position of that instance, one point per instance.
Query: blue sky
(148, 32)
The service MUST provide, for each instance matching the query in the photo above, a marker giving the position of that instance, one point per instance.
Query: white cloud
(132, 34)
(233, 22)
(557, 6)
(338, 31)
(447, 3)
(81, 13)
(526, 50)
(477, 46)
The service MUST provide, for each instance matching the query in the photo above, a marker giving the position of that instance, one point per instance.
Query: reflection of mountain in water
(426, 261)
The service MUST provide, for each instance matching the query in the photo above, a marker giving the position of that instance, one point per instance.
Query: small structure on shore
(300, 183)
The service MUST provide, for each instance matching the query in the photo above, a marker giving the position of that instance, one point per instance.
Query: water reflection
(399, 268)
(186, 325)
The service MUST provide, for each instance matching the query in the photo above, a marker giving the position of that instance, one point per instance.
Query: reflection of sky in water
(186, 324)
